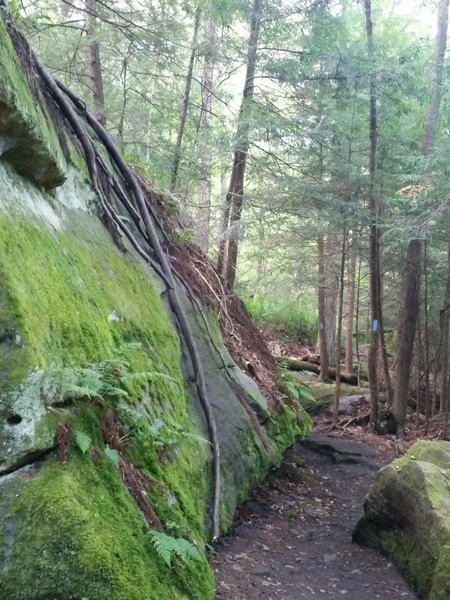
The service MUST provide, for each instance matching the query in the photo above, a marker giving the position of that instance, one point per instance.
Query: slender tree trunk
(228, 248)
(332, 267)
(358, 295)
(204, 201)
(185, 102)
(374, 265)
(444, 364)
(428, 144)
(408, 332)
(427, 338)
(419, 364)
(124, 76)
(445, 324)
(383, 350)
(438, 362)
(94, 65)
(323, 349)
(429, 137)
(351, 309)
(339, 330)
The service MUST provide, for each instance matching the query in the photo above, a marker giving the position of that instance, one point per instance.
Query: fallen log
(295, 364)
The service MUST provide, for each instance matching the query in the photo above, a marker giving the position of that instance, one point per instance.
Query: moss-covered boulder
(103, 439)
(407, 515)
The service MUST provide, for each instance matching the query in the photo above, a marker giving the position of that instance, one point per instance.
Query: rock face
(407, 515)
(102, 436)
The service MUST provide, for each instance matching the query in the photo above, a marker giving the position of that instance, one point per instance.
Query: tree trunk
(445, 323)
(373, 205)
(339, 330)
(383, 350)
(408, 332)
(295, 364)
(429, 137)
(332, 254)
(204, 201)
(358, 295)
(185, 102)
(427, 338)
(350, 309)
(94, 65)
(323, 349)
(428, 144)
(228, 248)
(124, 76)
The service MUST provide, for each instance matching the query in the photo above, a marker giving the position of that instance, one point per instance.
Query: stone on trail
(342, 450)
(407, 516)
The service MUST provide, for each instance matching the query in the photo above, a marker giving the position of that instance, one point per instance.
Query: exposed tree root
(147, 223)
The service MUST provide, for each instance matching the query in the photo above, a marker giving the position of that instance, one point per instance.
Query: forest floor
(292, 538)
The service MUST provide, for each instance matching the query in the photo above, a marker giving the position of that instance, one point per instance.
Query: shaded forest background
(307, 143)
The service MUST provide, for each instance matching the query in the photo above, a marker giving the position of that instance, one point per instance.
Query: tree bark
(94, 70)
(323, 347)
(427, 338)
(350, 309)
(339, 330)
(445, 323)
(185, 102)
(331, 262)
(429, 137)
(204, 200)
(408, 332)
(295, 364)
(373, 205)
(228, 248)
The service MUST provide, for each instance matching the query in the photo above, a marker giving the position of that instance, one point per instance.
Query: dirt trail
(293, 540)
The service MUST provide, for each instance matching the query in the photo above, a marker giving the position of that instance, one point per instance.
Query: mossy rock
(407, 515)
(71, 302)
(29, 139)
(74, 304)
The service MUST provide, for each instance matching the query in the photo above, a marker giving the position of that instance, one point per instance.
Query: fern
(113, 455)
(83, 441)
(166, 546)
(298, 390)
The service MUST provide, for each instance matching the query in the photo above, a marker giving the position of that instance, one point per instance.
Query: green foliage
(166, 546)
(162, 433)
(83, 441)
(297, 321)
(293, 386)
(113, 455)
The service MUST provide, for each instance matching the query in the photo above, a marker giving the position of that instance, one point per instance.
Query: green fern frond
(186, 550)
(83, 441)
(166, 546)
(81, 391)
(163, 545)
(113, 455)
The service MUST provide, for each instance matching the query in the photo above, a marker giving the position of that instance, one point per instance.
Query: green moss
(284, 429)
(73, 300)
(441, 581)
(413, 560)
(61, 300)
(78, 303)
(39, 153)
(89, 540)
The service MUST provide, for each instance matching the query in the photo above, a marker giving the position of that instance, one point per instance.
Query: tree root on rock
(147, 222)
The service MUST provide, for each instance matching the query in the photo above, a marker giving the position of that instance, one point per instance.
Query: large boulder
(103, 437)
(407, 515)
